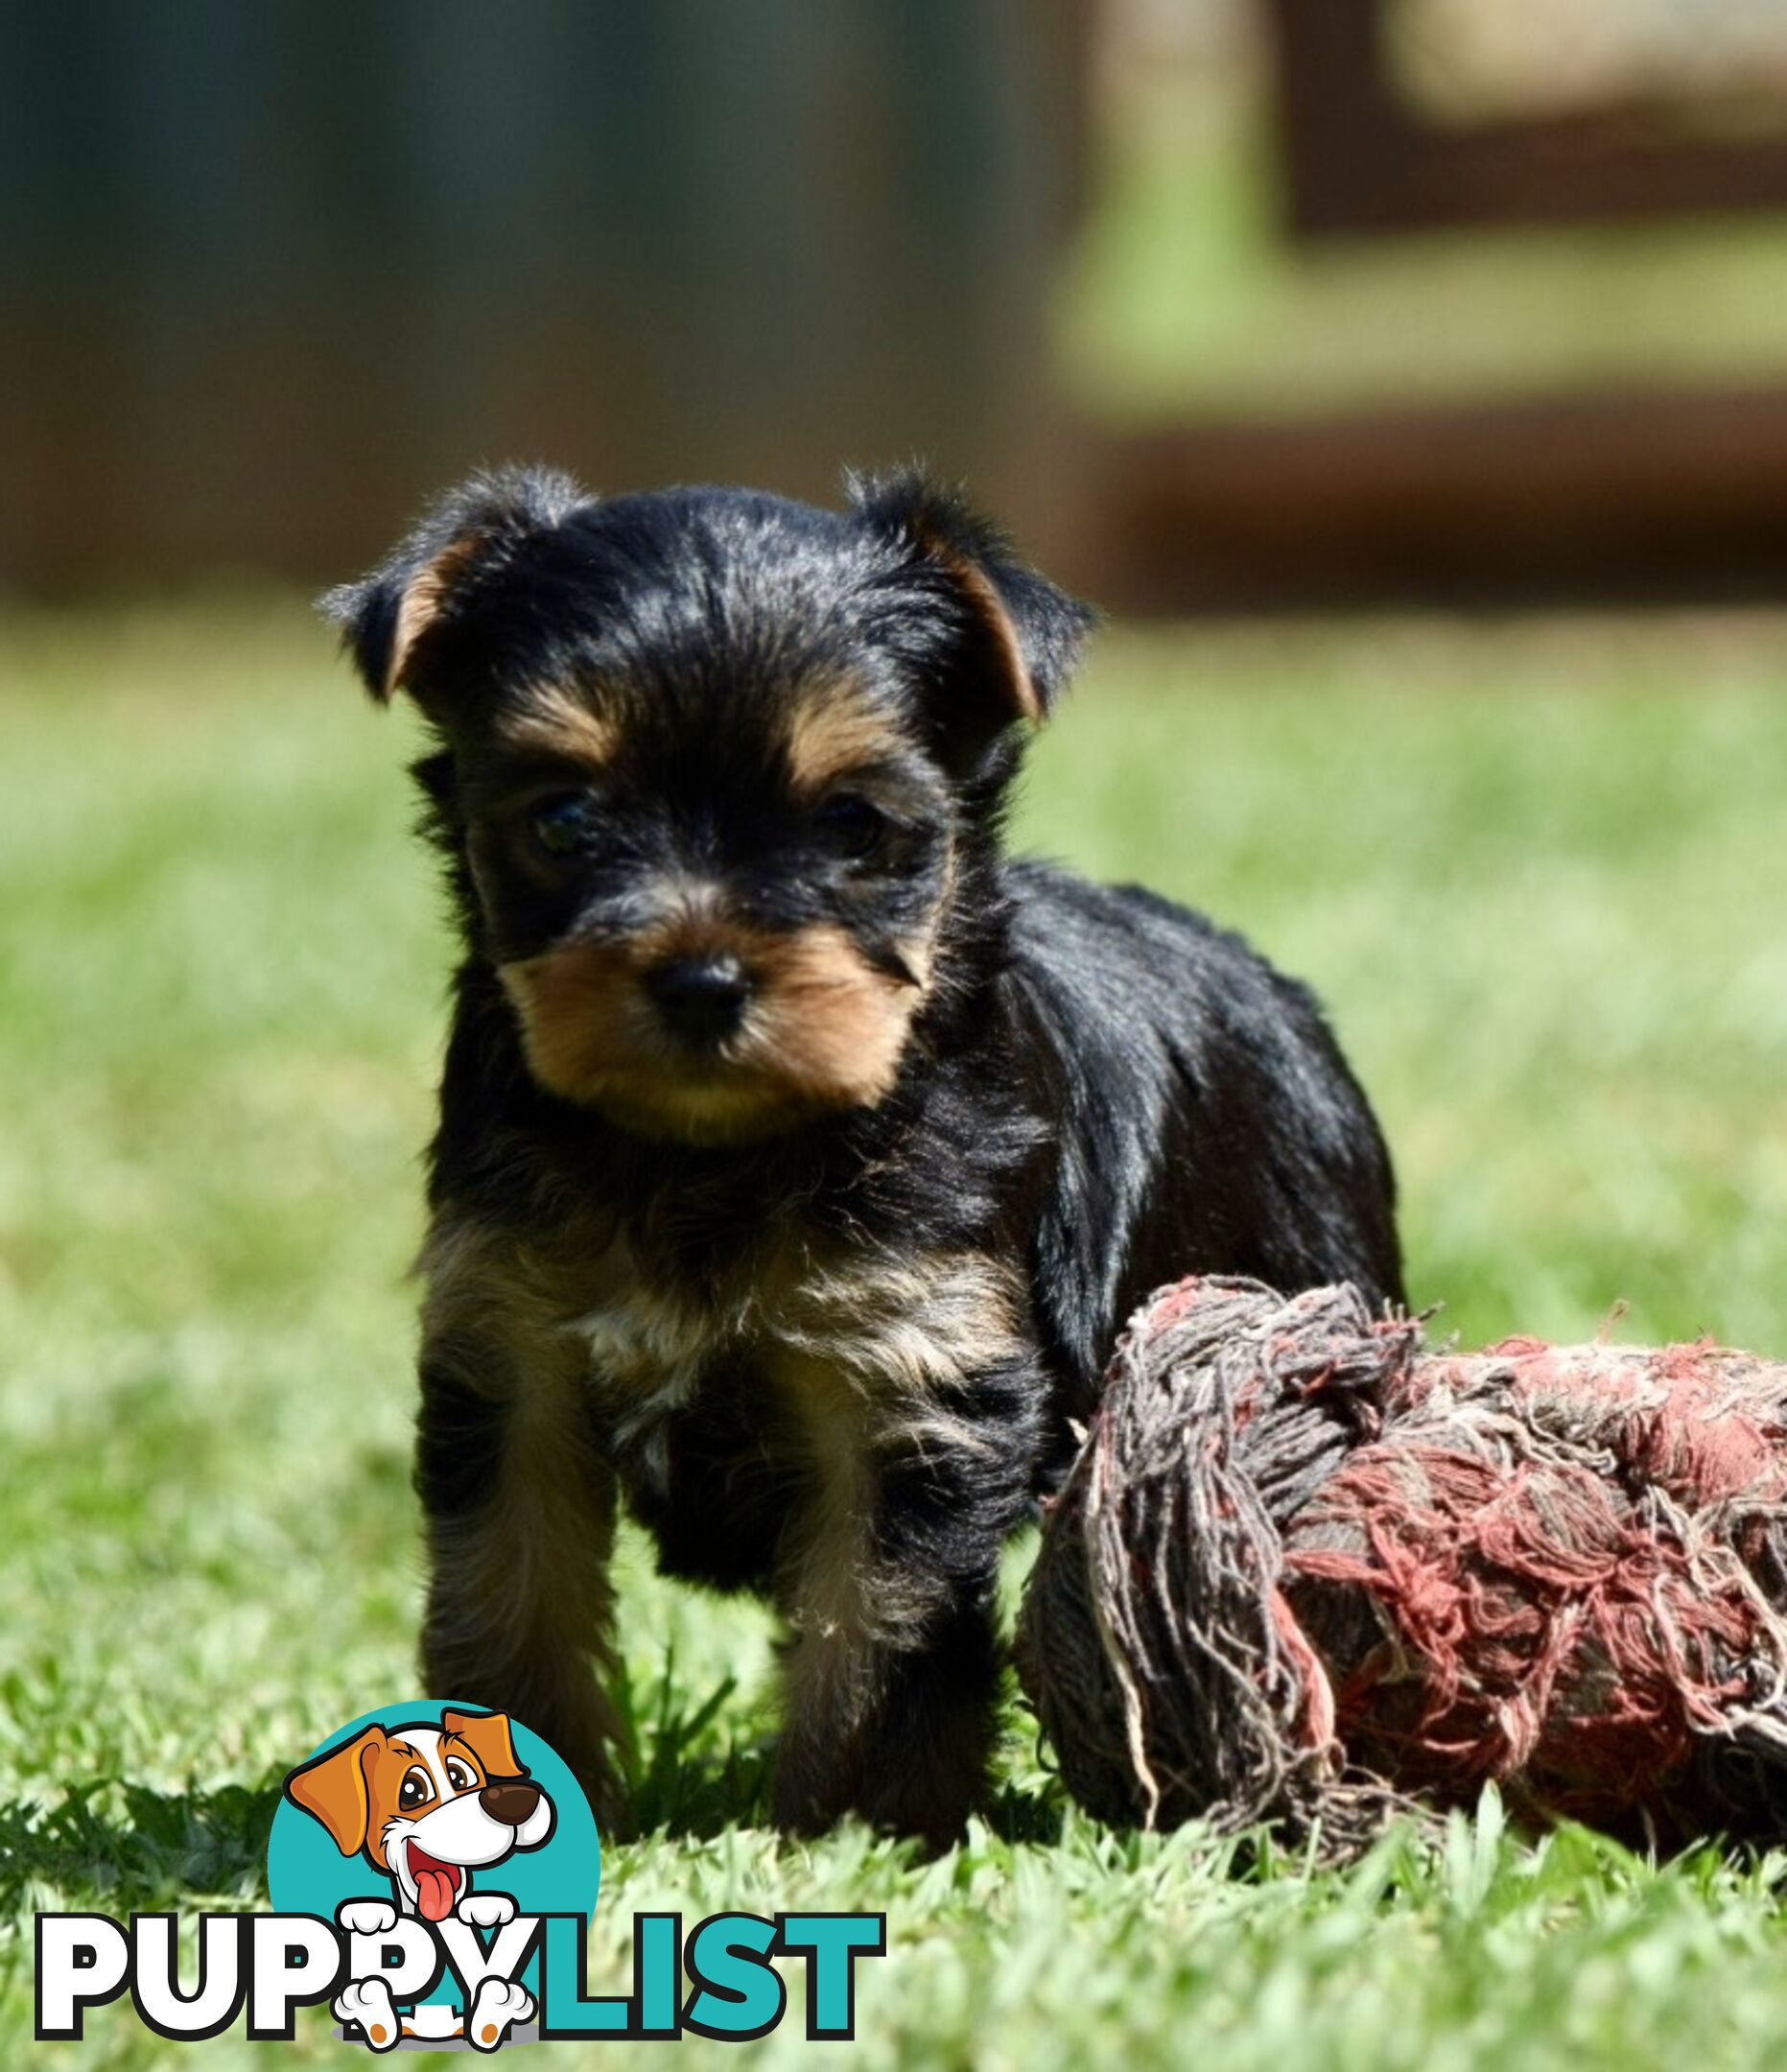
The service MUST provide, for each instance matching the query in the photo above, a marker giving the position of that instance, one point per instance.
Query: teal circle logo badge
(437, 1837)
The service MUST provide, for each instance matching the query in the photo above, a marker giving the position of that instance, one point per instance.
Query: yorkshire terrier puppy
(799, 1155)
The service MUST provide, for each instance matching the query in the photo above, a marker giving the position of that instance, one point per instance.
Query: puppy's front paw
(486, 1910)
(366, 1917)
(367, 2004)
(499, 2004)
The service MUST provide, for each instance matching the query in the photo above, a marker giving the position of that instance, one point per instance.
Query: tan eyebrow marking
(831, 733)
(548, 716)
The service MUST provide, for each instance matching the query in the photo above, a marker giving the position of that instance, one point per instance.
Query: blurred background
(1230, 301)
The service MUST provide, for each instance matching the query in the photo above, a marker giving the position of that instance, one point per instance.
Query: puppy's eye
(850, 827)
(564, 824)
(415, 1790)
(458, 1776)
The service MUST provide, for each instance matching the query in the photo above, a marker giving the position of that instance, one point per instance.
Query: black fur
(1098, 1092)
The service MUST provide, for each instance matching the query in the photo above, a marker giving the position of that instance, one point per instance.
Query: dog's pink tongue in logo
(435, 1883)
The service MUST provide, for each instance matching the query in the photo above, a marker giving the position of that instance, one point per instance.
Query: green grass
(1540, 875)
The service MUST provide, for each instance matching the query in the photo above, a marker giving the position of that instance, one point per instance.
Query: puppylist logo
(434, 1871)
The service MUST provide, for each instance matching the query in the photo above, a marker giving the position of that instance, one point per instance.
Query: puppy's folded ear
(487, 1735)
(1021, 635)
(468, 535)
(332, 1788)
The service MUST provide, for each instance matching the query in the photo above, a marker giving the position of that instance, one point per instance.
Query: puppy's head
(427, 1804)
(716, 767)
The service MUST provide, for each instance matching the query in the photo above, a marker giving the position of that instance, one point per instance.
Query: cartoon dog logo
(428, 1805)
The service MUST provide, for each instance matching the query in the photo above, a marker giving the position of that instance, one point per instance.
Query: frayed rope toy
(1305, 1568)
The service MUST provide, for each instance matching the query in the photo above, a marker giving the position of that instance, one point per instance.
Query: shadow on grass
(124, 1846)
(1015, 1814)
(688, 1778)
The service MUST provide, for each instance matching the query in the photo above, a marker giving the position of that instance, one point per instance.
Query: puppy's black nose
(510, 1802)
(701, 998)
